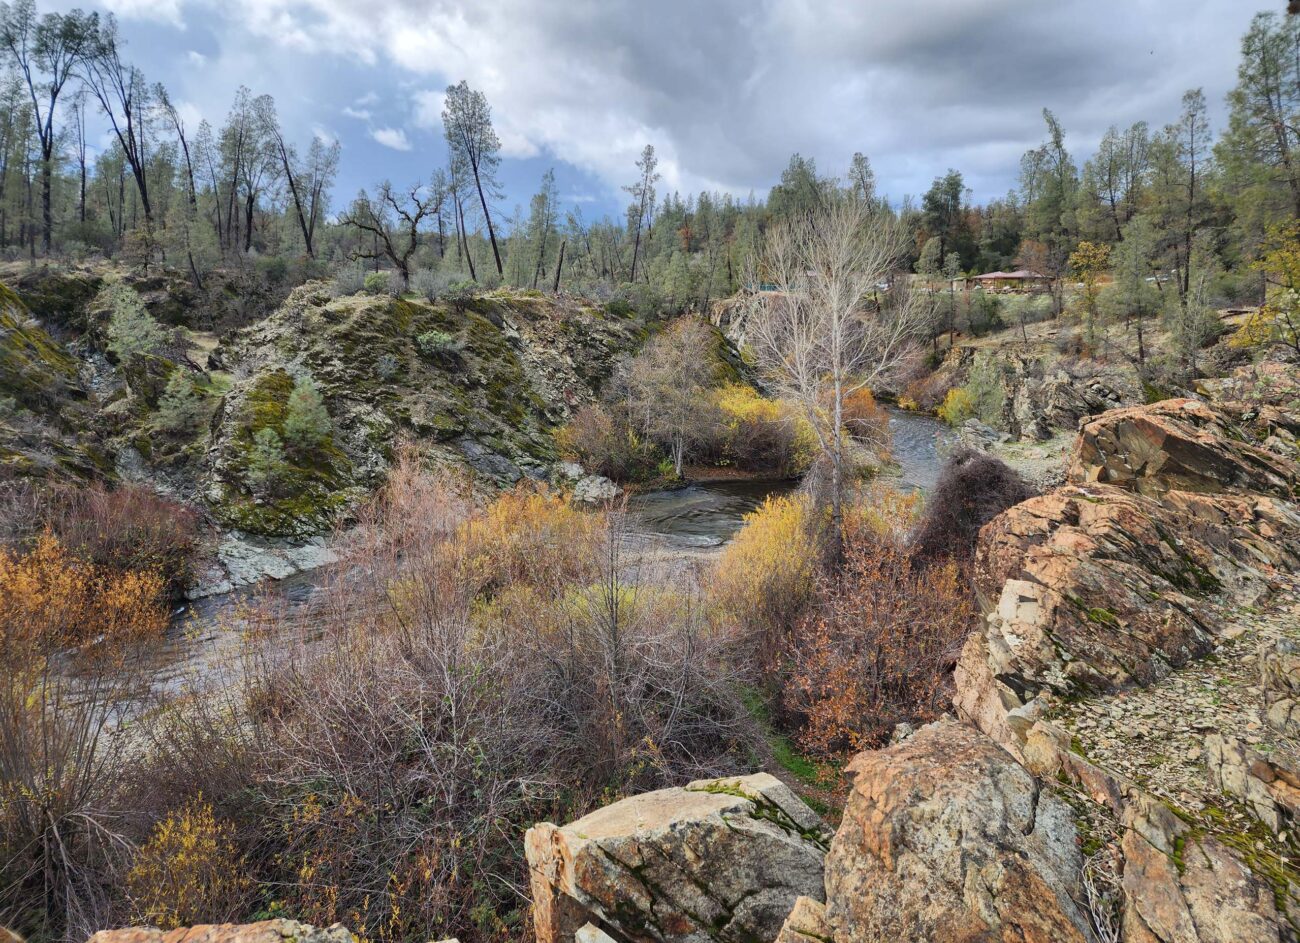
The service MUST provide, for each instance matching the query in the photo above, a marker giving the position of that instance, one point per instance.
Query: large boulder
(1183, 886)
(267, 931)
(806, 923)
(1094, 588)
(945, 837)
(717, 860)
(1179, 445)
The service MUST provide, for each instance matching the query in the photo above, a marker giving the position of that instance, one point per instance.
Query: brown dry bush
(973, 488)
(879, 646)
(605, 445)
(129, 528)
(61, 818)
(468, 673)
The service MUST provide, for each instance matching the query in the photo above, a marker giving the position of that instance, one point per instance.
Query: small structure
(1020, 280)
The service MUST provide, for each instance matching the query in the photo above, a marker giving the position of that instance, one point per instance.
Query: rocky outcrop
(1279, 665)
(1180, 884)
(595, 489)
(480, 384)
(1179, 445)
(946, 837)
(806, 923)
(717, 860)
(47, 427)
(267, 931)
(1174, 542)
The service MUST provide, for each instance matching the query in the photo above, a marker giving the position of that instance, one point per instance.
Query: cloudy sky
(726, 90)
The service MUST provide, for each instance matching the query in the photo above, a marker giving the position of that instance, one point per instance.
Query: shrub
(435, 344)
(266, 465)
(760, 434)
(307, 423)
(531, 537)
(393, 770)
(182, 409)
(985, 313)
(60, 821)
(51, 598)
(189, 871)
(957, 407)
(984, 384)
(387, 367)
(879, 646)
(380, 283)
(973, 488)
(127, 528)
(431, 285)
(349, 280)
(131, 329)
(605, 447)
(865, 420)
(763, 581)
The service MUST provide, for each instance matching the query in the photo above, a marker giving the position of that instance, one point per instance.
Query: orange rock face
(267, 931)
(946, 837)
(1178, 445)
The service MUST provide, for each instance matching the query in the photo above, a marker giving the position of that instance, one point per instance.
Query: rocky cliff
(481, 383)
(1123, 764)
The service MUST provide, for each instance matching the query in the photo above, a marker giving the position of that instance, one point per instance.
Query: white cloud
(196, 59)
(391, 137)
(164, 11)
(918, 85)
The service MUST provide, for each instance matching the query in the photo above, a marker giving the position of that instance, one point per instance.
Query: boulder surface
(946, 837)
(717, 860)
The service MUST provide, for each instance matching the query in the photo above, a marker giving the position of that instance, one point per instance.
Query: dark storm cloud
(728, 90)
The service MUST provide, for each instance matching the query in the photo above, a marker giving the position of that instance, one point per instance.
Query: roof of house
(1018, 274)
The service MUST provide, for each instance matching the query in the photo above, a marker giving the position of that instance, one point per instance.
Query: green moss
(314, 485)
(35, 370)
(1102, 616)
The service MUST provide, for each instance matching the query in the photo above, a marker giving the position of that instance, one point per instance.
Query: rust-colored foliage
(50, 599)
(879, 646)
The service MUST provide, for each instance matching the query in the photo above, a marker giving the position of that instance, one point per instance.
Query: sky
(726, 90)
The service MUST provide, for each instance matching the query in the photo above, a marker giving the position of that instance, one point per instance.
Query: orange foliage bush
(58, 766)
(879, 645)
(51, 599)
(865, 420)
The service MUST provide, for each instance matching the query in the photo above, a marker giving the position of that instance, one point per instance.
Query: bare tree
(393, 219)
(123, 96)
(821, 336)
(666, 389)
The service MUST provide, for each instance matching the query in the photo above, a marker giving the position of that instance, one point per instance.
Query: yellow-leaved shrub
(764, 578)
(761, 434)
(531, 536)
(189, 871)
(958, 406)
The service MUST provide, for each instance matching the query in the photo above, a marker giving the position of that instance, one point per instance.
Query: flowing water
(709, 513)
(206, 636)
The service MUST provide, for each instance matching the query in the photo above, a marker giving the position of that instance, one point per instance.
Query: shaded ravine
(206, 637)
